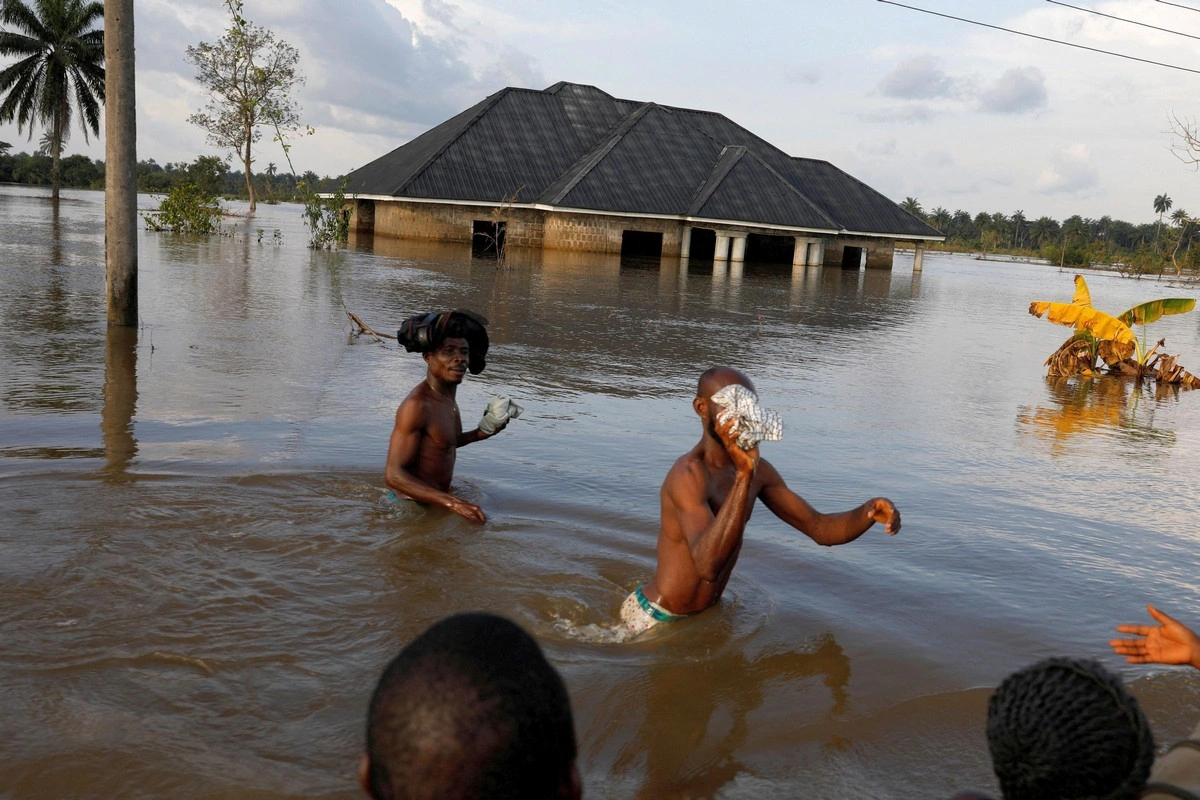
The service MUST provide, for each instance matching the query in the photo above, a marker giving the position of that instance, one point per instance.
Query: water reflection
(1106, 405)
(120, 401)
(694, 712)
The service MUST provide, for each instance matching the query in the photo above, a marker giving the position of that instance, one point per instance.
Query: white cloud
(1070, 170)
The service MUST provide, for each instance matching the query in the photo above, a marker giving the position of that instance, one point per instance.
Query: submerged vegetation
(1105, 343)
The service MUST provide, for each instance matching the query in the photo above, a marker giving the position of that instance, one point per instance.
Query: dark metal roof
(575, 146)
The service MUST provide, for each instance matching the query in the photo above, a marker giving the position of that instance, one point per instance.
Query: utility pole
(120, 165)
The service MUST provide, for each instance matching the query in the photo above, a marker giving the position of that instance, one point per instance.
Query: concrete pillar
(683, 273)
(685, 242)
(816, 253)
(722, 251)
(800, 254)
(735, 272)
(739, 248)
(919, 257)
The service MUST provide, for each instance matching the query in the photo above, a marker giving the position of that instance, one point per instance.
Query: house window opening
(487, 238)
(641, 244)
(852, 257)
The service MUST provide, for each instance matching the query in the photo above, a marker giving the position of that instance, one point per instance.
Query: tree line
(80, 172)
(1160, 246)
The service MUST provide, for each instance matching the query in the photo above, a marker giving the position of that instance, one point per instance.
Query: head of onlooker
(1067, 729)
(470, 709)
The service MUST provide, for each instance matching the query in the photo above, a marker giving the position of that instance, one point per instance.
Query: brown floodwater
(200, 582)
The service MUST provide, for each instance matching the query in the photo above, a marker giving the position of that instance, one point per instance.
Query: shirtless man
(707, 498)
(428, 430)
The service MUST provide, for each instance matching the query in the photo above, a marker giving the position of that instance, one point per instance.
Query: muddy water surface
(200, 583)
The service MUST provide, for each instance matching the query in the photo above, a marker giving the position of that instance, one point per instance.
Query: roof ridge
(798, 193)
(726, 161)
(589, 160)
(484, 107)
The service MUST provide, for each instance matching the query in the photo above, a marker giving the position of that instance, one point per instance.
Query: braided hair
(1067, 729)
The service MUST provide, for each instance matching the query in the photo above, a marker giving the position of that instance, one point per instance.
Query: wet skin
(428, 432)
(707, 499)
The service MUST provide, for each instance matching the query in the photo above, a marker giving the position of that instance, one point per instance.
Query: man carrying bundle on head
(708, 496)
(428, 430)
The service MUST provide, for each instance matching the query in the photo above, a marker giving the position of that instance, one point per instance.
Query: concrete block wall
(879, 251)
(446, 223)
(598, 233)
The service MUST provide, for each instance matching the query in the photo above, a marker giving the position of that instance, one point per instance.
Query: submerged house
(574, 168)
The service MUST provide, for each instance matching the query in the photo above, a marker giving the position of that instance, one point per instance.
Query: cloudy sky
(953, 114)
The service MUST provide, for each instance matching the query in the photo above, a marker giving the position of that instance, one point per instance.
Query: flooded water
(200, 584)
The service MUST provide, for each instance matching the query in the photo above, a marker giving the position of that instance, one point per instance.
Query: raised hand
(1169, 642)
(884, 511)
(743, 460)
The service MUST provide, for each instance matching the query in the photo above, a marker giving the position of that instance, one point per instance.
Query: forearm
(712, 548)
(843, 527)
(472, 436)
(414, 488)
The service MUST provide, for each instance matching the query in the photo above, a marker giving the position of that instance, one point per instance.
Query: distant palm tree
(940, 218)
(1162, 204)
(913, 206)
(1043, 230)
(1179, 216)
(4, 148)
(60, 64)
(1018, 222)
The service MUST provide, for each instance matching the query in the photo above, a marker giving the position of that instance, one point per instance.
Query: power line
(1044, 38)
(1177, 5)
(1122, 19)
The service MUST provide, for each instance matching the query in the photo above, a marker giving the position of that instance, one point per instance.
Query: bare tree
(249, 75)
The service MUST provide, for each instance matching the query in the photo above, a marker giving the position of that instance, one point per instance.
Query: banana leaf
(1082, 296)
(1084, 318)
(1154, 310)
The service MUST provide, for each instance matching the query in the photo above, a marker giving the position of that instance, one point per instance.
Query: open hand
(1169, 642)
(884, 511)
(465, 509)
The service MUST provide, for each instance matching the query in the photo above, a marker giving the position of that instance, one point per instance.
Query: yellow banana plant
(1085, 318)
(1100, 327)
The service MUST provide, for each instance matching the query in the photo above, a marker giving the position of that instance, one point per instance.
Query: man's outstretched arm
(403, 447)
(824, 529)
(1168, 642)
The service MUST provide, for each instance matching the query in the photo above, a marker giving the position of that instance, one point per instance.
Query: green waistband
(653, 610)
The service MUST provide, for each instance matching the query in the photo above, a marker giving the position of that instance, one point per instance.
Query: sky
(914, 105)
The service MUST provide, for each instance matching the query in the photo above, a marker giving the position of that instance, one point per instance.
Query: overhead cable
(1178, 5)
(1043, 38)
(1122, 19)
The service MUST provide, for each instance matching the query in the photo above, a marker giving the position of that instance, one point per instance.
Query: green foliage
(58, 67)
(187, 209)
(249, 76)
(327, 219)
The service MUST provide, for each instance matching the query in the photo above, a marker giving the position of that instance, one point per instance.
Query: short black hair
(1067, 728)
(470, 709)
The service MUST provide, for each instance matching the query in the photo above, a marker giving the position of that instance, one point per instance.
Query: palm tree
(1043, 230)
(940, 218)
(1179, 216)
(1018, 221)
(60, 64)
(1162, 204)
(913, 206)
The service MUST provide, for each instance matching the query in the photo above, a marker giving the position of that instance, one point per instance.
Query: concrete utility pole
(120, 164)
